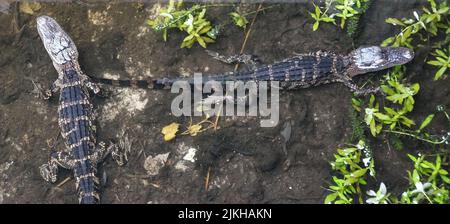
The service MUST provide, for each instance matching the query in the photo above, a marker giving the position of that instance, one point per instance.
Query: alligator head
(374, 58)
(58, 44)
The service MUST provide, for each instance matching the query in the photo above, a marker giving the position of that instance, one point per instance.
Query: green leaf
(330, 198)
(201, 42)
(435, 63)
(387, 90)
(190, 37)
(395, 21)
(382, 117)
(445, 179)
(202, 13)
(316, 26)
(426, 121)
(439, 73)
(317, 11)
(373, 129)
(204, 29)
(371, 100)
(208, 40)
(406, 121)
(359, 173)
(328, 20)
(441, 53)
(388, 41)
(411, 157)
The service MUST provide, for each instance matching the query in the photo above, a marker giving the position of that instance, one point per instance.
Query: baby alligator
(75, 115)
(301, 71)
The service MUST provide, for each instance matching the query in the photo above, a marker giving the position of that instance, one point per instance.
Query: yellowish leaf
(30, 8)
(194, 129)
(170, 131)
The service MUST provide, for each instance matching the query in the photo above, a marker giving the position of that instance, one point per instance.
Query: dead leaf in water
(30, 8)
(170, 131)
(194, 129)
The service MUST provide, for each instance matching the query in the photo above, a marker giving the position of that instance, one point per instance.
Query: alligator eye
(407, 55)
(378, 61)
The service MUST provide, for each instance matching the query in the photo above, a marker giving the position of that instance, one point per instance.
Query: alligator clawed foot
(367, 91)
(40, 92)
(247, 59)
(49, 172)
(121, 151)
(105, 93)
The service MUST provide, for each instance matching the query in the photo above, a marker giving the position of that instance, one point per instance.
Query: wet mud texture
(246, 163)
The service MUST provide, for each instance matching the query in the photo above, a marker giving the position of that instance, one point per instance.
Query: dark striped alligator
(82, 153)
(301, 71)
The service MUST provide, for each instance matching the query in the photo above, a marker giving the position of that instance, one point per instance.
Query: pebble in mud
(154, 164)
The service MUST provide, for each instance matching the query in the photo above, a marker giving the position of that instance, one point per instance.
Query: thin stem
(425, 194)
(417, 137)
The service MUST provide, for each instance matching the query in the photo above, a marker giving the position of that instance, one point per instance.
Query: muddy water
(247, 163)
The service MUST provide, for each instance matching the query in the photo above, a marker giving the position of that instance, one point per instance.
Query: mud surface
(247, 163)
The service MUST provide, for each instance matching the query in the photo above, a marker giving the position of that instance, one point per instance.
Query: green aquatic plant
(387, 118)
(239, 19)
(352, 165)
(401, 95)
(192, 21)
(421, 135)
(344, 10)
(320, 16)
(442, 61)
(379, 197)
(429, 182)
(430, 20)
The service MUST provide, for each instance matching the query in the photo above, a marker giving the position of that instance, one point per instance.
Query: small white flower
(361, 145)
(378, 197)
(189, 21)
(419, 187)
(383, 189)
(416, 15)
(372, 193)
(366, 162)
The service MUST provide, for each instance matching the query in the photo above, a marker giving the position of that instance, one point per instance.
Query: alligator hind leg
(119, 152)
(49, 170)
(122, 150)
(247, 59)
(95, 88)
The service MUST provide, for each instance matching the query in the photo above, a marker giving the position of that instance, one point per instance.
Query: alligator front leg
(46, 94)
(360, 91)
(347, 81)
(247, 59)
(95, 88)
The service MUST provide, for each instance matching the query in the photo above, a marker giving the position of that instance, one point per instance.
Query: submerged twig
(248, 34)
(64, 181)
(207, 178)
